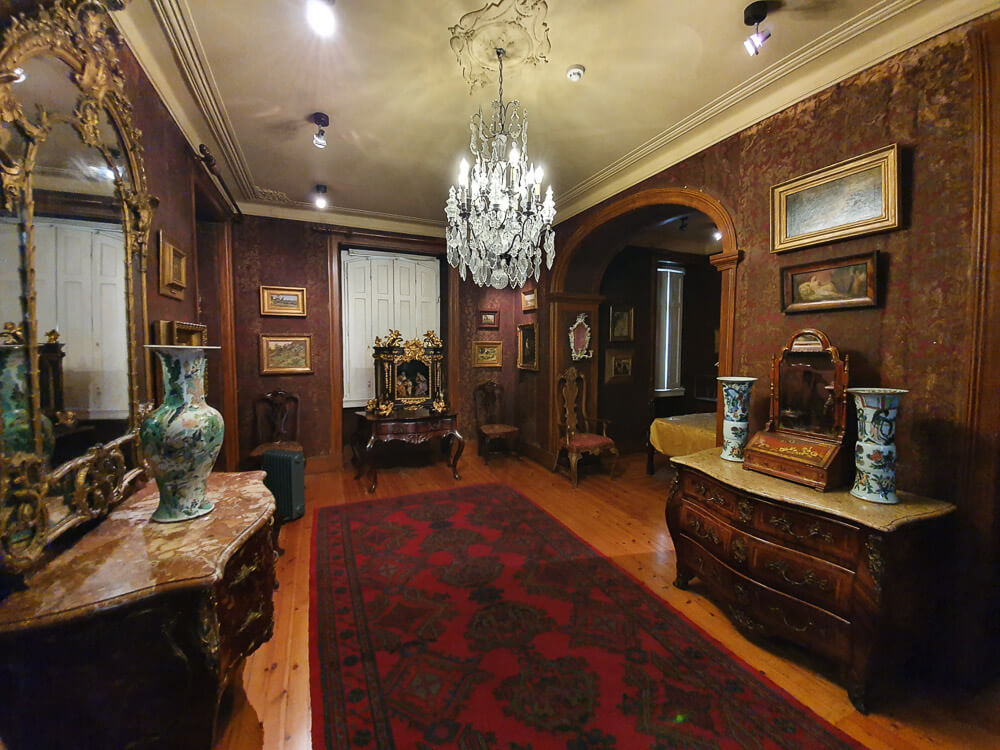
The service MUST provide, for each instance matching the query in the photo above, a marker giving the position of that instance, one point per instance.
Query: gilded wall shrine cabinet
(849, 580)
(131, 637)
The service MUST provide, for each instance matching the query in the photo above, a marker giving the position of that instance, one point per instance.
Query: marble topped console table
(130, 637)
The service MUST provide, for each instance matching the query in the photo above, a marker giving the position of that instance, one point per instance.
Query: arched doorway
(578, 269)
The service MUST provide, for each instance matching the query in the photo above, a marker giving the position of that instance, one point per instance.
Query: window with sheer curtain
(670, 308)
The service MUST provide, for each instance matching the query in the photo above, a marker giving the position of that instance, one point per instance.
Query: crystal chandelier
(498, 224)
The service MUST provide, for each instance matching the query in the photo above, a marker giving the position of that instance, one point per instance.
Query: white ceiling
(665, 78)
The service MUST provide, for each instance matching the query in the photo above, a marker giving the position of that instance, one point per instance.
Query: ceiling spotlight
(319, 13)
(753, 15)
(716, 235)
(320, 120)
(575, 72)
(19, 75)
(319, 196)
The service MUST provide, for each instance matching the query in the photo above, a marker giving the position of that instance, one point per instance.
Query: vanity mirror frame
(41, 503)
(811, 458)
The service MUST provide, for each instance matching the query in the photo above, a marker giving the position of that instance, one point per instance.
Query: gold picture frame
(173, 269)
(285, 301)
(179, 333)
(853, 197)
(618, 365)
(487, 354)
(529, 300)
(527, 346)
(286, 354)
(621, 324)
(832, 284)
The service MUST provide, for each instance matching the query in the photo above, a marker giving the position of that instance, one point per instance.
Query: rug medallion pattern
(470, 618)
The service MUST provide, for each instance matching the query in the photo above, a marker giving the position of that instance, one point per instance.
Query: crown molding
(371, 220)
(773, 90)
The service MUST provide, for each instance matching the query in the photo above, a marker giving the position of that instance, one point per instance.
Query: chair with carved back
(276, 423)
(488, 398)
(577, 432)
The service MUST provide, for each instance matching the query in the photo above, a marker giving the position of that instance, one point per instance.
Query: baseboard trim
(322, 465)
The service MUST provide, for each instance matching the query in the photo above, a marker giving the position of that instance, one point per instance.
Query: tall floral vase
(182, 438)
(736, 416)
(16, 431)
(875, 451)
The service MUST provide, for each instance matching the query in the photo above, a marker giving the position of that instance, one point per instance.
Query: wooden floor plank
(622, 517)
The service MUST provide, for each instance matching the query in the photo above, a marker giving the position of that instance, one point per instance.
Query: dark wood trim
(336, 357)
(537, 454)
(373, 240)
(324, 464)
(979, 474)
(60, 205)
(193, 253)
(227, 340)
(726, 265)
(453, 346)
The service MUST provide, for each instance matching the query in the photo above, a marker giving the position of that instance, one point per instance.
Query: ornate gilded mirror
(803, 437)
(73, 243)
(579, 339)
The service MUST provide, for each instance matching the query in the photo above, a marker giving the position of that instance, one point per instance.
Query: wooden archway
(725, 262)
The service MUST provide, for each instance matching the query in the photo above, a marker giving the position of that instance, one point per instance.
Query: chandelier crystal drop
(498, 224)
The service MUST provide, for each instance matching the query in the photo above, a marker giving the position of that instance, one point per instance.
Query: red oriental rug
(470, 618)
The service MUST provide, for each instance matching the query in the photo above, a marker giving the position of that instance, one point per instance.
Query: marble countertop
(128, 557)
(840, 502)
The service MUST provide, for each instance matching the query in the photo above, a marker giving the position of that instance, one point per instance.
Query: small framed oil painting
(487, 353)
(283, 300)
(285, 354)
(527, 346)
(852, 197)
(529, 300)
(489, 319)
(622, 325)
(830, 284)
(618, 365)
(173, 269)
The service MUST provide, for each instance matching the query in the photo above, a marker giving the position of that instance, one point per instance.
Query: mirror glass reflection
(806, 388)
(79, 260)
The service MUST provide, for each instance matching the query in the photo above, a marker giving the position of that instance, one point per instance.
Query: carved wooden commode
(854, 581)
(130, 637)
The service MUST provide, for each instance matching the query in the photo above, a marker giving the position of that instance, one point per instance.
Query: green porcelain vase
(16, 434)
(182, 438)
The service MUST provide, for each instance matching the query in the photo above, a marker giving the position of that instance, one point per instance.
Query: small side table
(408, 427)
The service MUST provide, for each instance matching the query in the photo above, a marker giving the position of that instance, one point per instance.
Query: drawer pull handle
(709, 496)
(699, 530)
(809, 579)
(780, 522)
(746, 511)
(720, 501)
(784, 618)
(739, 550)
(744, 620)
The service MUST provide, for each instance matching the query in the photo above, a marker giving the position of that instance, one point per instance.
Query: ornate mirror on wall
(74, 234)
(803, 438)
(579, 339)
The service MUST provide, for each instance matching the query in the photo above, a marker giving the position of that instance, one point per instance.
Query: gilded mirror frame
(40, 504)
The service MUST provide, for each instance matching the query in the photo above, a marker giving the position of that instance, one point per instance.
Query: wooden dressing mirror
(74, 237)
(803, 438)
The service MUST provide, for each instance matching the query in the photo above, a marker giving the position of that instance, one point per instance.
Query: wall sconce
(753, 15)
(320, 120)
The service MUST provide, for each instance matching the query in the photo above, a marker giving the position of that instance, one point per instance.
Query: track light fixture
(319, 13)
(753, 15)
(320, 120)
(319, 196)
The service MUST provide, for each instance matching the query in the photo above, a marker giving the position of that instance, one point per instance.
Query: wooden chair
(488, 398)
(276, 423)
(572, 390)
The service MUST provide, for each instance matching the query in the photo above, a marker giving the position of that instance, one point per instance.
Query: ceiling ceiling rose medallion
(516, 26)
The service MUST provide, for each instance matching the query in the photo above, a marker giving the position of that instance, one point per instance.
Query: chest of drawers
(850, 580)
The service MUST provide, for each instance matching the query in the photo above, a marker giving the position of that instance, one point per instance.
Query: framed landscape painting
(283, 300)
(289, 354)
(529, 300)
(853, 197)
(489, 319)
(487, 353)
(830, 284)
